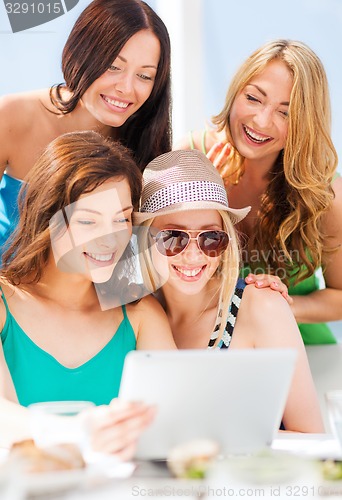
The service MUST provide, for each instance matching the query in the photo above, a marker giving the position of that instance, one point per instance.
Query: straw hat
(183, 180)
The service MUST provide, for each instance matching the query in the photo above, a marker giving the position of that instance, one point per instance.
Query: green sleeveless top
(192, 143)
(312, 333)
(38, 376)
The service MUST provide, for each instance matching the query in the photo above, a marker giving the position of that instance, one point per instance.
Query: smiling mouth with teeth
(113, 102)
(189, 273)
(101, 258)
(254, 137)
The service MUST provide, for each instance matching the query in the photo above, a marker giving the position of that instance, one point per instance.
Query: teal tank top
(9, 212)
(38, 376)
(312, 333)
(203, 137)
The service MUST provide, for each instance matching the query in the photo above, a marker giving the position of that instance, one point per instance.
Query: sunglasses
(171, 242)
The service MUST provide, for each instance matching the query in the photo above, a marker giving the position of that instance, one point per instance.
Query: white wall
(184, 22)
(231, 30)
(31, 59)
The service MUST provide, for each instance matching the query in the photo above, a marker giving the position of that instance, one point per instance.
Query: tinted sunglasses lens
(213, 243)
(171, 242)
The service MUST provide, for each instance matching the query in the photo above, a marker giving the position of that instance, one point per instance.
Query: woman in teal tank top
(272, 145)
(194, 265)
(62, 337)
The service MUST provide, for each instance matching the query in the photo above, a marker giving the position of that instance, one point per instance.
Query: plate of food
(38, 471)
(57, 468)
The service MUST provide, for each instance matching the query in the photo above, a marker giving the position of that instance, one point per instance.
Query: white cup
(58, 422)
(334, 405)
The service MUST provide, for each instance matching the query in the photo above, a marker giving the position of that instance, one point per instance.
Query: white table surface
(153, 480)
(310, 445)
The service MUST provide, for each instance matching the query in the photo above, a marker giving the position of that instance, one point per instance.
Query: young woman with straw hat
(191, 261)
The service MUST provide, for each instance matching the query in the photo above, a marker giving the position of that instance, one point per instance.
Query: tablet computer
(235, 397)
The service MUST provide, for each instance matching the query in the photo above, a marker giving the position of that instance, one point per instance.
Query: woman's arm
(326, 305)
(14, 424)
(7, 389)
(114, 428)
(265, 321)
(25, 129)
(151, 325)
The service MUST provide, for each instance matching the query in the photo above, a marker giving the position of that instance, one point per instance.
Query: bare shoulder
(193, 140)
(17, 110)
(260, 306)
(265, 319)
(7, 290)
(147, 305)
(150, 324)
(2, 314)
(144, 311)
(14, 103)
(254, 298)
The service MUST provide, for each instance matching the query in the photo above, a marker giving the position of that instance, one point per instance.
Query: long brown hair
(289, 233)
(95, 41)
(71, 165)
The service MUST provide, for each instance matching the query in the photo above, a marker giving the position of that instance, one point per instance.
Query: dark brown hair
(95, 41)
(71, 165)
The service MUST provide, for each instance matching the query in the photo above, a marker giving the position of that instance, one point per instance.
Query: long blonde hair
(228, 270)
(299, 192)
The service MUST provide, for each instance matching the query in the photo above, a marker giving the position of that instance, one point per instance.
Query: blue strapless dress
(9, 211)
